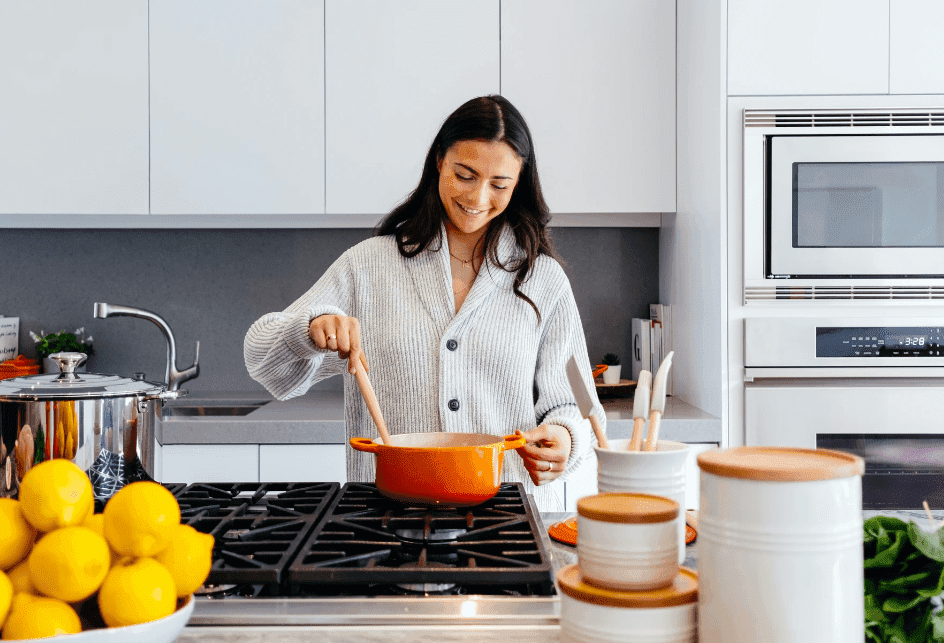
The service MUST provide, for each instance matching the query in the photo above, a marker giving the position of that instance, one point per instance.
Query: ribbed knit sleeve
(278, 351)
(555, 404)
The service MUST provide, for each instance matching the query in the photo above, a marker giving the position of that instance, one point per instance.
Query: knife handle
(655, 419)
(598, 430)
(635, 444)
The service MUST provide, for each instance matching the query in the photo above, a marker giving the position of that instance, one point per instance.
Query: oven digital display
(878, 341)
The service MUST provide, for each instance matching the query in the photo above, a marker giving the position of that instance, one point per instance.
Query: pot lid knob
(67, 363)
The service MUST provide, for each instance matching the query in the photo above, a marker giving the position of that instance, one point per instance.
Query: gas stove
(314, 553)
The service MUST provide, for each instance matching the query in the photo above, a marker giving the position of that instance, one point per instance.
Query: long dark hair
(417, 221)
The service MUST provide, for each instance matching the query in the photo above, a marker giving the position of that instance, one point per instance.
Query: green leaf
(885, 557)
(877, 524)
(929, 544)
(896, 633)
(937, 626)
(904, 583)
(873, 613)
(40, 446)
(936, 590)
(897, 604)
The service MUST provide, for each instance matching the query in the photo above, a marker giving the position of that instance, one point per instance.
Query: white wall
(693, 260)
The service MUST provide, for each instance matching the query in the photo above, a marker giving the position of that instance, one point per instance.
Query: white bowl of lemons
(127, 574)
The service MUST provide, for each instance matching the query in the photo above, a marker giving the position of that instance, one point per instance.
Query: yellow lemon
(96, 522)
(55, 494)
(16, 535)
(6, 596)
(139, 519)
(188, 558)
(69, 563)
(40, 618)
(136, 591)
(20, 577)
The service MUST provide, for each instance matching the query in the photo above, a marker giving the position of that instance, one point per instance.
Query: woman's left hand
(545, 453)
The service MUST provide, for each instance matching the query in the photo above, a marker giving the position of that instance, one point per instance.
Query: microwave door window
(868, 205)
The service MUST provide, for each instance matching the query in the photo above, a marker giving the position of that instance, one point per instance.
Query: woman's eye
(500, 187)
(464, 178)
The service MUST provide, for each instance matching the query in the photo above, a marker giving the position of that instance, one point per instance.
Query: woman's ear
(439, 161)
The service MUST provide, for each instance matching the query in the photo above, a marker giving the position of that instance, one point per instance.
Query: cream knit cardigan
(506, 371)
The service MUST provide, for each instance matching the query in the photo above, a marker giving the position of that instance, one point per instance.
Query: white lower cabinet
(302, 463)
(209, 463)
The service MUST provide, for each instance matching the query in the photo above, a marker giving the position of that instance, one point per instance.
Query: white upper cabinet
(73, 107)
(596, 83)
(917, 48)
(237, 107)
(394, 72)
(800, 47)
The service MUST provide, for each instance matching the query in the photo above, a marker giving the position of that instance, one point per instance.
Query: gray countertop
(318, 418)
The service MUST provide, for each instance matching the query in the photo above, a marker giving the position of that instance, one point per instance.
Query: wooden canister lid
(682, 591)
(781, 464)
(628, 508)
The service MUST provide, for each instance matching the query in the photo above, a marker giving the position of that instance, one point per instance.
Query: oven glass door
(856, 206)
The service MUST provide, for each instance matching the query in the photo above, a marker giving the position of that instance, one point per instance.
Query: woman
(459, 302)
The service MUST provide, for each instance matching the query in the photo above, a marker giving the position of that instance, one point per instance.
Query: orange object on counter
(19, 367)
(598, 371)
(448, 469)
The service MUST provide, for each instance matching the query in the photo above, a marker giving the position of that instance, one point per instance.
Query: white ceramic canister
(780, 555)
(591, 614)
(627, 541)
(658, 473)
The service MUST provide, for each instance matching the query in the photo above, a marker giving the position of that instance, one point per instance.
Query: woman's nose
(478, 196)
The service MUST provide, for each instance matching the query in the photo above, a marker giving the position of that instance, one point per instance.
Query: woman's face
(476, 180)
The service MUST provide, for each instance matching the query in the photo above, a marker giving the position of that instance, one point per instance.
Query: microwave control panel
(879, 341)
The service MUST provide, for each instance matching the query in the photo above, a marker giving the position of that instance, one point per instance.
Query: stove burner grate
(257, 526)
(365, 538)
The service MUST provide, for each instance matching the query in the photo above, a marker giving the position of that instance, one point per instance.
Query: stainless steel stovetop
(317, 554)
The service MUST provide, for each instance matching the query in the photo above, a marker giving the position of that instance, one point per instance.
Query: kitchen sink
(211, 410)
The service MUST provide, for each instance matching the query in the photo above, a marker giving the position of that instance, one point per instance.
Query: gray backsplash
(210, 285)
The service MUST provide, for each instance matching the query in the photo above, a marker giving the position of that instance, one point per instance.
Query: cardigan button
(452, 344)
(453, 405)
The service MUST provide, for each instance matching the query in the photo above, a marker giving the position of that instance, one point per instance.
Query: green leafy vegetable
(904, 571)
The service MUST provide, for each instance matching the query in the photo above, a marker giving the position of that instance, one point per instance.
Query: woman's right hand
(341, 334)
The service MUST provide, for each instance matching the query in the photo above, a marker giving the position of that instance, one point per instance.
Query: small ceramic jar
(591, 613)
(627, 541)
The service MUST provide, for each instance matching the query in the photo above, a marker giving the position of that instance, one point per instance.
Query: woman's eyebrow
(463, 165)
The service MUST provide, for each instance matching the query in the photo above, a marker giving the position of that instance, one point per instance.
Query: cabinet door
(394, 72)
(210, 463)
(73, 111)
(596, 83)
(916, 50)
(302, 463)
(237, 107)
(800, 47)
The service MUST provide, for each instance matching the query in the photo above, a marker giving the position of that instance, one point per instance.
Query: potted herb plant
(612, 373)
(61, 342)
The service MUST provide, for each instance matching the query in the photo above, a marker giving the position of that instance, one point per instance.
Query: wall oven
(843, 204)
(871, 385)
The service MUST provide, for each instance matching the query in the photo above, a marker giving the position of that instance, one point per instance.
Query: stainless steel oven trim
(763, 288)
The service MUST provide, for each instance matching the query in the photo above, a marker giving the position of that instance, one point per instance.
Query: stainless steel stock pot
(103, 423)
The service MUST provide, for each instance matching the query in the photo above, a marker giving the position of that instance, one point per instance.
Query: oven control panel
(879, 341)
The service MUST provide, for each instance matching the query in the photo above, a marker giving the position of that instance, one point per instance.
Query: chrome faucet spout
(173, 377)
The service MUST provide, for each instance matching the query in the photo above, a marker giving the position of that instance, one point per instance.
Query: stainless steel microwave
(843, 204)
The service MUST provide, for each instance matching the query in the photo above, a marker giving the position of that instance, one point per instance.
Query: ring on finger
(330, 337)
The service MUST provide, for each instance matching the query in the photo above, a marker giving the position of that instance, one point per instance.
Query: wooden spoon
(367, 391)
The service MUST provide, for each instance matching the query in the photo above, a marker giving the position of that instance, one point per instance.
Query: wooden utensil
(657, 406)
(640, 409)
(585, 400)
(367, 391)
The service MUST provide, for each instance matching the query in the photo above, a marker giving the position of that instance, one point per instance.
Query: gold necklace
(463, 262)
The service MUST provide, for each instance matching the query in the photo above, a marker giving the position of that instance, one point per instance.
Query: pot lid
(628, 508)
(682, 591)
(781, 464)
(69, 385)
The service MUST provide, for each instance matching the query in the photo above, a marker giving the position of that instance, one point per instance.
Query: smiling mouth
(467, 210)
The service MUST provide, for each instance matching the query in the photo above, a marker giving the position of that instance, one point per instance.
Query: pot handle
(365, 444)
(163, 396)
(515, 441)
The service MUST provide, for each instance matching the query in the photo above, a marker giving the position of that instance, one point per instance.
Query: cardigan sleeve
(278, 351)
(555, 403)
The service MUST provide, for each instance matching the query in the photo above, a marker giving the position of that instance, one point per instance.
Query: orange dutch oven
(453, 469)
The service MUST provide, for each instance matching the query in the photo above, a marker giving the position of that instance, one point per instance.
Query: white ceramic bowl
(659, 473)
(163, 630)
(627, 541)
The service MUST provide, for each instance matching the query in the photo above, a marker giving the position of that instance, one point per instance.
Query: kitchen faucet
(173, 377)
